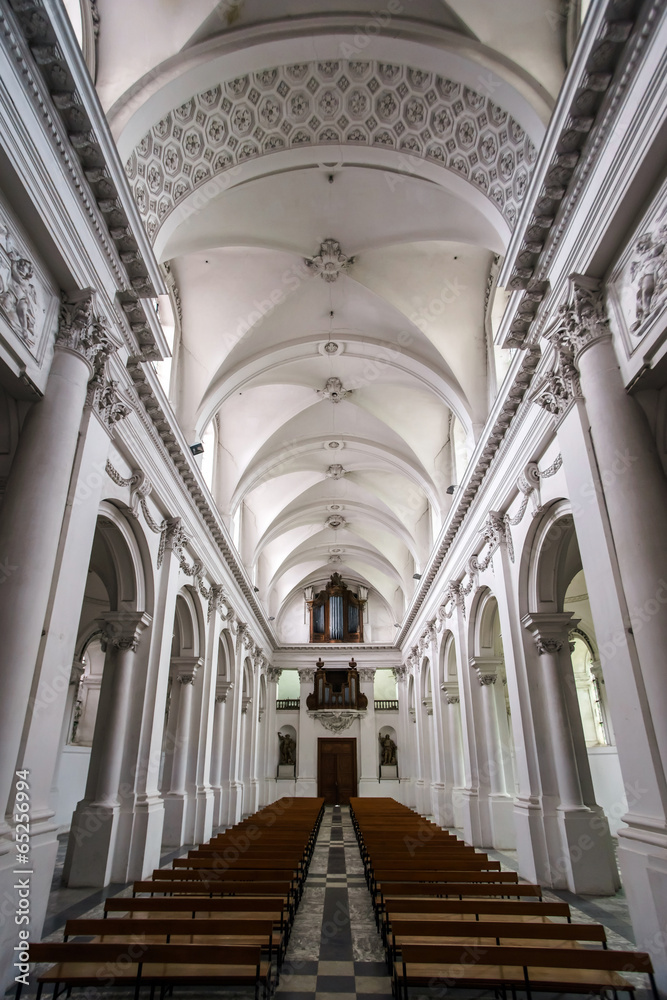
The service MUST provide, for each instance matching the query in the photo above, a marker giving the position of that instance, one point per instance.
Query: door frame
(339, 739)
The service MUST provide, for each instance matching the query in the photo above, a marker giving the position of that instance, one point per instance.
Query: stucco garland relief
(496, 531)
(336, 102)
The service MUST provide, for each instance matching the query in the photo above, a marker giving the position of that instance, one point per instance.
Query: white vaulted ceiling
(252, 132)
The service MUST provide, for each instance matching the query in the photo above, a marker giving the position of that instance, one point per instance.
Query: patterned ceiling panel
(355, 103)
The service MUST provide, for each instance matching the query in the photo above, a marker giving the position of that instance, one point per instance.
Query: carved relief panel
(637, 288)
(28, 304)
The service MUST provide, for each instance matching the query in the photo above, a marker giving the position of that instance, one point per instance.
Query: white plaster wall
(608, 784)
(71, 783)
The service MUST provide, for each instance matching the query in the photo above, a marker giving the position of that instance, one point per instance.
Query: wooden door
(337, 770)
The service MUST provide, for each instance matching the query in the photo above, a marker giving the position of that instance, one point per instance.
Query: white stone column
(476, 828)
(90, 851)
(441, 805)
(586, 858)
(184, 670)
(499, 800)
(222, 689)
(404, 753)
(46, 728)
(271, 741)
(141, 849)
(635, 490)
(455, 750)
(32, 516)
(234, 809)
(369, 737)
(253, 719)
(306, 749)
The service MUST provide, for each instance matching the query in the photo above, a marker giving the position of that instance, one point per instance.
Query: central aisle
(335, 949)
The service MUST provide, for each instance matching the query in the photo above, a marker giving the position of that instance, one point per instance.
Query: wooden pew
(554, 970)
(482, 933)
(239, 908)
(164, 965)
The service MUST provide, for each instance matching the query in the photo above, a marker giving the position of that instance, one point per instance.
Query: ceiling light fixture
(256, 589)
(197, 448)
(272, 618)
(416, 576)
(451, 489)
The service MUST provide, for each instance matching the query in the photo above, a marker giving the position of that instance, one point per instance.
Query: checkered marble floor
(335, 949)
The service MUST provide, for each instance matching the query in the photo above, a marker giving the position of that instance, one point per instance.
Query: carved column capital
(122, 629)
(589, 320)
(550, 630)
(367, 673)
(273, 674)
(400, 673)
(451, 692)
(222, 689)
(107, 402)
(82, 331)
(306, 675)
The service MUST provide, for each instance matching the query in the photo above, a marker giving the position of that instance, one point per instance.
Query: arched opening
(582, 774)
(222, 724)
(492, 719)
(179, 745)
(454, 775)
(99, 738)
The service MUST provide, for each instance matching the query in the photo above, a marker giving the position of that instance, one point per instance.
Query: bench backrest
(477, 907)
(558, 958)
(459, 889)
(155, 925)
(442, 875)
(497, 929)
(181, 954)
(158, 904)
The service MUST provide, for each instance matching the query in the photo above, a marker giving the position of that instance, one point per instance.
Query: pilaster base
(91, 845)
(441, 805)
(234, 804)
(175, 819)
(501, 809)
(587, 859)
(148, 825)
(43, 850)
(642, 855)
(530, 841)
(204, 803)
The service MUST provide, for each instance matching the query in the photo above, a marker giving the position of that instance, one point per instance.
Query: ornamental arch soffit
(359, 104)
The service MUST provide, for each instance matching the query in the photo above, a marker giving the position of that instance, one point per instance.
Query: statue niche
(336, 614)
(337, 689)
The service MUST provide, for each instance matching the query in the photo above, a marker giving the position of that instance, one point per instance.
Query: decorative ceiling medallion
(333, 390)
(336, 521)
(335, 506)
(336, 472)
(329, 263)
(334, 444)
(336, 550)
(330, 348)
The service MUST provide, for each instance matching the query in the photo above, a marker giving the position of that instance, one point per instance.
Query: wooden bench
(242, 907)
(164, 965)
(189, 930)
(555, 970)
(201, 887)
(406, 931)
